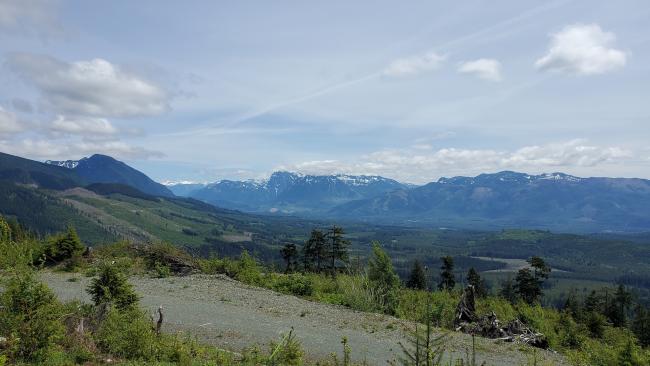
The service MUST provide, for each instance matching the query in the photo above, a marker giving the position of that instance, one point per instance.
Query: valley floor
(231, 315)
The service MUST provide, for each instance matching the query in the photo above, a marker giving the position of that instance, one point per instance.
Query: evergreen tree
(63, 246)
(338, 249)
(424, 347)
(527, 287)
(641, 325)
(418, 278)
(383, 278)
(528, 284)
(111, 286)
(447, 280)
(540, 269)
(314, 251)
(508, 291)
(290, 254)
(474, 279)
(595, 323)
(573, 306)
(618, 307)
(593, 302)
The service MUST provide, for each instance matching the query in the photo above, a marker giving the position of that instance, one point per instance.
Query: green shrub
(63, 247)
(357, 293)
(293, 284)
(29, 316)
(287, 352)
(162, 270)
(247, 270)
(111, 286)
(128, 334)
(412, 305)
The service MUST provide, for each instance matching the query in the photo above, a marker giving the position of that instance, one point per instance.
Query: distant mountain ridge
(105, 169)
(554, 201)
(288, 192)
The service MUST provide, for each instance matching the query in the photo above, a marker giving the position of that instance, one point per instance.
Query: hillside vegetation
(587, 332)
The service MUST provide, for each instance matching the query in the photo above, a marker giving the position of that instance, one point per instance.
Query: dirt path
(232, 315)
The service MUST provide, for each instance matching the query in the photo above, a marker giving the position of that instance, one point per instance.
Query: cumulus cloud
(84, 126)
(421, 166)
(90, 88)
(484, 68)
(582, 50)
(48, 149)
(9, 123)
(414, 65)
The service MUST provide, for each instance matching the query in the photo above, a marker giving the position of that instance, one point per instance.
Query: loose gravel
(232, 315)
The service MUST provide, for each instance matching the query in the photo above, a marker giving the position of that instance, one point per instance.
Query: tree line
(324, 251)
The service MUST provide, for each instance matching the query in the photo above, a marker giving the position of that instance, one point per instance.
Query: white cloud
(484, 68)
(91, 88)
(414, 65)
(84, 126)
(56, 150)
(9, 123)
(421, 166)
(583, 50)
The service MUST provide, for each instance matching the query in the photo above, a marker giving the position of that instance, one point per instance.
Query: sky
(209, 90)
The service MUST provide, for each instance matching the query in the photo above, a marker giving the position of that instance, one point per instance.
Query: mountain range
(509, 199)
(556, 201)
(289, 193)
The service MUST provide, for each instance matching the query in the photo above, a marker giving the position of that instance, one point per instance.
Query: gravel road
(232, 315)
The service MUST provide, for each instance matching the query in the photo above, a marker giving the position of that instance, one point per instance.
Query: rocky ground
(231, 315)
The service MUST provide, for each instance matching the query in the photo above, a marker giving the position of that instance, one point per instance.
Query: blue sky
(206, 90)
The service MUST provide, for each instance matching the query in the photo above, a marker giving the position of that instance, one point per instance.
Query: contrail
(345, 84)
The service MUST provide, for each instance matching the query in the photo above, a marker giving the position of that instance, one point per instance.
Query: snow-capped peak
(70, 164)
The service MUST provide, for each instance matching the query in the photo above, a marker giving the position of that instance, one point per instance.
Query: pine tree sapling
(383, 278)
(111, 286)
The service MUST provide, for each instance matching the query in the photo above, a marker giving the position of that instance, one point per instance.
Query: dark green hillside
(104, 169)
(44, 213)
(105, 189)
(25, 171)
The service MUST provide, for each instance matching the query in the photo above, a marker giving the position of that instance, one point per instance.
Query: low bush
(29, 316)
(292, 284)
(128, 334)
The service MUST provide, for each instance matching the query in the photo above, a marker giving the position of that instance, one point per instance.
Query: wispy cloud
(414, 65)
(583, 50)
(484, 68)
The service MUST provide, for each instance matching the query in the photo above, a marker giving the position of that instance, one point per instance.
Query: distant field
(511, 264)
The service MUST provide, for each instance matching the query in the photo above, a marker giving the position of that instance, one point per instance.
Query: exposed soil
(231, 315)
